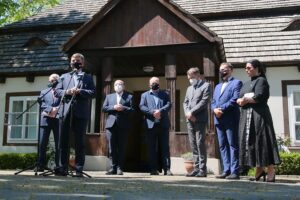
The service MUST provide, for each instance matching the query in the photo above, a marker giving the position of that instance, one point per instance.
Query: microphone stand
(36, 164)
(79, 85)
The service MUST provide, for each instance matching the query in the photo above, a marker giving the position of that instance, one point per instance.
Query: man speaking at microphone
(77, 90)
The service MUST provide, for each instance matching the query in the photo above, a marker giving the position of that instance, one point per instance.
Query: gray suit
(196, 101)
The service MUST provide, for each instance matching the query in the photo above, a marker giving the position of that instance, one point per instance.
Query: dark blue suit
(117, 125)
(227, 125)
(74, 118)
(48, 124)
(157, 131)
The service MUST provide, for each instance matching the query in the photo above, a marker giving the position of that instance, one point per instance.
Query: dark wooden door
(136, 159)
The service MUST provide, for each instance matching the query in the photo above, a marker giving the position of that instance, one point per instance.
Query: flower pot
(189, 165)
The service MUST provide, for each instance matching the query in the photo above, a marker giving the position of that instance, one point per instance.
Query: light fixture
(148, 68)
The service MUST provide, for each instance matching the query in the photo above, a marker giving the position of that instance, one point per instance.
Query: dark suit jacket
(81, 105)
(196, 100)
(119, 117)
(147, 106)
(47, 103)
(227, 101)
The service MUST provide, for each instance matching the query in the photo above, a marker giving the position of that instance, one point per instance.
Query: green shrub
(290, 165)
(17, 160)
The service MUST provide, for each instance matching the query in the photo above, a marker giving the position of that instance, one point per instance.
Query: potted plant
(188, 161)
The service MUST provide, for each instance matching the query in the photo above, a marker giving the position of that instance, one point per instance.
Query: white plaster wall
(17, 85)
(275, 75)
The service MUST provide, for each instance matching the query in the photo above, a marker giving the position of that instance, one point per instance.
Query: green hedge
(290, 164)
(17, 160)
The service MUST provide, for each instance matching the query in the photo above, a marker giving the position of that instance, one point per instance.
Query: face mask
(76, 65)
(53, 84)
(155, 86)
(193, 81)
(223, 74)
(119, 88)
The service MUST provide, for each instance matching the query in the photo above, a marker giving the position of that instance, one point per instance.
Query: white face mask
(119, 88)
(193, 81)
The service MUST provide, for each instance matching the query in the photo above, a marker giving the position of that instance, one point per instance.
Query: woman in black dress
(258, 146)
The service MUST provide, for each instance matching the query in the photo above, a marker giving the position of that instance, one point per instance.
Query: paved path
(142, 186)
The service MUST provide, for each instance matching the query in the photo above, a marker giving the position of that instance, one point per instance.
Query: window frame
(287, 114)
(290, 92)
(9, 99)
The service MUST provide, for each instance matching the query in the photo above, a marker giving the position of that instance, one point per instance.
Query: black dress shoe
(111, 172)
(60, 173)
(168, 173)
(78, 174)
(154, 173)
(201, 174)
(120, 172)
(193, 173)
(233, 177)
(223, 175)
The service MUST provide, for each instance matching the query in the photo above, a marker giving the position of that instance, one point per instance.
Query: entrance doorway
(136, 159)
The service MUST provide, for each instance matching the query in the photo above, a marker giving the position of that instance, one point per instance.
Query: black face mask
(155, 86)
(76, 65)
(223, 74)
(53, 84)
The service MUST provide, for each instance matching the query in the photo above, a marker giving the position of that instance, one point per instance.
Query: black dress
(257, 140)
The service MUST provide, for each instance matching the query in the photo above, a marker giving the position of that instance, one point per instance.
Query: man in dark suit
(226, 119)
(155, 105)
(118, 105)
(196, 113)
(49, 121)
(78, 89)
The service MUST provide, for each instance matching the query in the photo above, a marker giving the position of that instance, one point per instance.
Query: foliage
(15, 10)
(187, 156)
(17, 160)
(283, 144)
(290, 165)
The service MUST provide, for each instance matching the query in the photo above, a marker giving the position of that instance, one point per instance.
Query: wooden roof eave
(90, 24)
(189, 19)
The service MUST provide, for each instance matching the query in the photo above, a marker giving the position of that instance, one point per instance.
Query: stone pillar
(170, 74)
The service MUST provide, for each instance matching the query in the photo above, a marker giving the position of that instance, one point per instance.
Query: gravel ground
(142, 186)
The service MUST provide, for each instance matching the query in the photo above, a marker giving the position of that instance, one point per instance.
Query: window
(21, 128)
(293, 92)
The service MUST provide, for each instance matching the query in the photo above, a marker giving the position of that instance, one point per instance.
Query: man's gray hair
(78, 55)
(193, 70)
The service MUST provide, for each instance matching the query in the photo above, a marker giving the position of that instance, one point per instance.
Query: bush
(290, 164)
(17, 160)
(188, 156)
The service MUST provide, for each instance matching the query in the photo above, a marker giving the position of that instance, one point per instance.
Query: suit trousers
(228, 144)
(158, 138)
(117, 140)
(196, 132)
(53, 125)
(76, 126)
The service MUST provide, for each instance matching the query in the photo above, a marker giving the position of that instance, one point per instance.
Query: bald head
(119, 86)
(53, 78)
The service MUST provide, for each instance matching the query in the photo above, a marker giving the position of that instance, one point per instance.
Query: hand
(118, 107)
(190, 117)
(218, 112)
(53, 112)
(242, 101)
(157, 114)
(72, 91)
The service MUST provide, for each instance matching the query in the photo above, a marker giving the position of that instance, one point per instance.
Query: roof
(17, 58)
(246, 37)
(80, 11)
(263, 38)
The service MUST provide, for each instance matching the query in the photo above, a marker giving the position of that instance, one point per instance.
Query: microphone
(73, 71)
